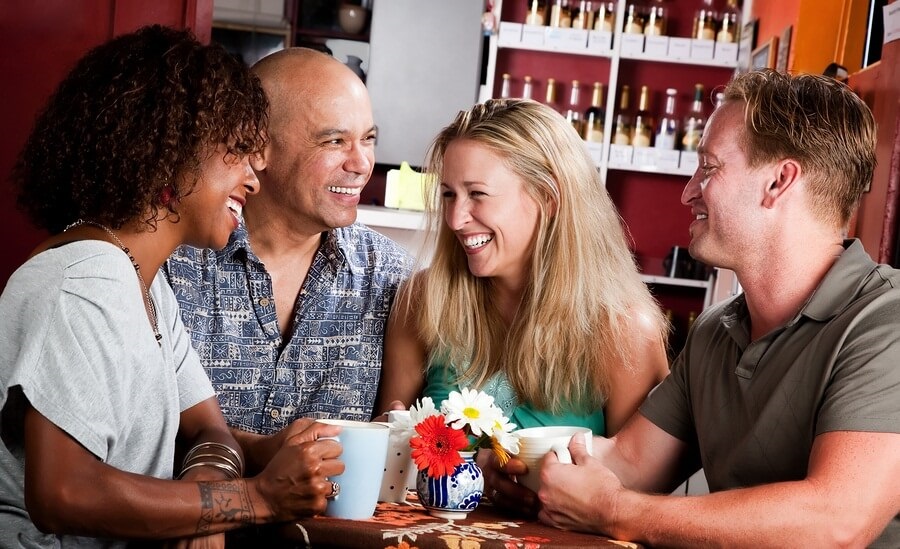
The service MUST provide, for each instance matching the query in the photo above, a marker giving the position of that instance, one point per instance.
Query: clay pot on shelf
(352, 18)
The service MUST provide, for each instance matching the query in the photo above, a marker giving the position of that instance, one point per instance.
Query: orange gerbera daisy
(437, 446)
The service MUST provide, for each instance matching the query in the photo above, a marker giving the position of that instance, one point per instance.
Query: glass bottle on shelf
(642, 135)
(634, 19)
(656, 20)
(622, 132)
(527, 87)
(583, 15)
(729, 24)
(560, 16)
(705, 22)
(505, 86)
(573, 114)
(537, 12)
(668, 127)
(593, 116)
(694, 122)
(550, 97)
(606, 17)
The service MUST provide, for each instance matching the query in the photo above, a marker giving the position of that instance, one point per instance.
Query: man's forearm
(782, 514)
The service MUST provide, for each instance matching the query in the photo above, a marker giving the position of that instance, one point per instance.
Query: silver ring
(335, 490)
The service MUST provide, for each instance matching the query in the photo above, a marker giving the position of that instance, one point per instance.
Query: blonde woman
(532, 293)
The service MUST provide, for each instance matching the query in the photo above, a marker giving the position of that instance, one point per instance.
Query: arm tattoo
(224, 502)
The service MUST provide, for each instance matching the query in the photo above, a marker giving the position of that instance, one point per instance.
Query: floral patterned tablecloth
(409, 526)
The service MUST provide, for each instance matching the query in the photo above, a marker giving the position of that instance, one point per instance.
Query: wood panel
(39, 43)
(879, 86)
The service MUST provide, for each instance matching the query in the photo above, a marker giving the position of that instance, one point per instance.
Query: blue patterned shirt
(331, 364)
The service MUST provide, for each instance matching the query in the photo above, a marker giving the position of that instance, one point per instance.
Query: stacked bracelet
(214, 454)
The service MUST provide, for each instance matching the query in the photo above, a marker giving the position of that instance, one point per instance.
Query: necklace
(151, 307)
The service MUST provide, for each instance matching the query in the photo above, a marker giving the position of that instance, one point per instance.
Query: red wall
(40, 40)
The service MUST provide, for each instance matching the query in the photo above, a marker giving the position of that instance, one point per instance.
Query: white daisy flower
(422, 409)
(473, 408)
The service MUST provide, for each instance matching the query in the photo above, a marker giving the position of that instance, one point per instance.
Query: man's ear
(787, 172)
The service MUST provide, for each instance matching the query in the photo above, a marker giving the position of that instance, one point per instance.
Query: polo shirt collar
(834, 294)
(841, 284)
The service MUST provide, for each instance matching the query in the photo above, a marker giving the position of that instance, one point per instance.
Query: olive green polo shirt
(750, 410)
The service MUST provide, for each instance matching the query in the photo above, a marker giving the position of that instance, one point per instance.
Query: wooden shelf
(379, 216)
(550, 49)
(692, 62)
(321, 34)
(671, 281)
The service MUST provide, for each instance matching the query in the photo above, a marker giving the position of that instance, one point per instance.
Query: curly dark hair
(135, 115)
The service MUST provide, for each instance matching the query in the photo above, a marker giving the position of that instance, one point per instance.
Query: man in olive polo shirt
(788, 395)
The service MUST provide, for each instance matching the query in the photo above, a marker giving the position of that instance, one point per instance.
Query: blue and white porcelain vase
(455, 495)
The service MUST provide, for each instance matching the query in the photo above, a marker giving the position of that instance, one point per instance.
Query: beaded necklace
(151, 307)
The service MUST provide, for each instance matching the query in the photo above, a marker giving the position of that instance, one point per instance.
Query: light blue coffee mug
(365, 449)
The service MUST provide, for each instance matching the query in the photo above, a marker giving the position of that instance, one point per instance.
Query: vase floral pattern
(452, 496)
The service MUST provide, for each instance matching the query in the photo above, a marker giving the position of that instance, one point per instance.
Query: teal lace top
(440, 381)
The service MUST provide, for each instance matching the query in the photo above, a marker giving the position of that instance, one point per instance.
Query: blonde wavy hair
(577, 316)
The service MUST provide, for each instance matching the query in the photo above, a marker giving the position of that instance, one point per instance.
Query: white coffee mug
(535, 442)
(364, 452)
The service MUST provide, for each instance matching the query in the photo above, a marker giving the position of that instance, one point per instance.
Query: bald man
(289, 318)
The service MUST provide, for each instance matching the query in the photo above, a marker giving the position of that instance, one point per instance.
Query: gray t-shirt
(75, 340)
(751, 410)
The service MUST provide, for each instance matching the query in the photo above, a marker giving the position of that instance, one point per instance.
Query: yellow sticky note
(405, 189)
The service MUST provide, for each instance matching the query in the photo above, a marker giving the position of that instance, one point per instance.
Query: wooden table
(409, 526)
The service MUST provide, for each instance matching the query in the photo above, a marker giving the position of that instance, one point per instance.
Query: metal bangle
(226, 459)
(210, 445)
(232, 473)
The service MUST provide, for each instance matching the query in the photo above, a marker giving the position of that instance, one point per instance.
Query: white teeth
(234, 206)
(346, 190)
(700, 216)
(476, 241)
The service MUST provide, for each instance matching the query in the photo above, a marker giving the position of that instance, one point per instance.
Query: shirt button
(275, 414)
(264, 302)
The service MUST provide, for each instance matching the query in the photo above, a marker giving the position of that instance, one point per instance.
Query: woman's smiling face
(488, 208)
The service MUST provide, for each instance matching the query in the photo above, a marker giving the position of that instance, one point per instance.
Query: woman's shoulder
(82, 267)
(644, 320)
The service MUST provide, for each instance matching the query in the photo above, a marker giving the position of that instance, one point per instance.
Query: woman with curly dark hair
(143, 147)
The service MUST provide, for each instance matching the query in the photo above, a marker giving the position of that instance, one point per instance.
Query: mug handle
(562, 452)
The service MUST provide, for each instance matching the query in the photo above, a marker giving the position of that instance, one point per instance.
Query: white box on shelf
(679, 48)
(575, 39)
(620, 156)
(595, 149)
(645, 157)
(667, 160)
(632, 44)
(599, 40)
(726, 52)
(533, 35)
(554, 37)
(657, 46)
(702, 50)
(509, 33)
(689, 161)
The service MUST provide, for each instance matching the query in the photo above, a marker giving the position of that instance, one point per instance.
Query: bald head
(296, 77)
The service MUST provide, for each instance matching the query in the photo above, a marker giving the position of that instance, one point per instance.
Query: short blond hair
(817, 121)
